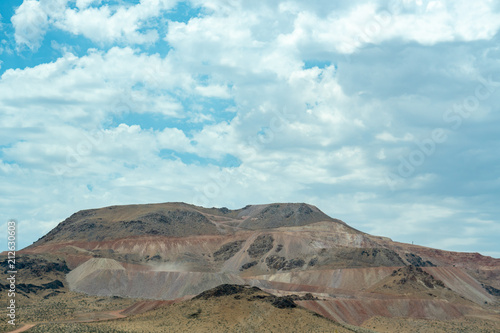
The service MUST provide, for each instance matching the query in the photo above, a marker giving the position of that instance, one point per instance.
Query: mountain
(178, 220)
(173, 251)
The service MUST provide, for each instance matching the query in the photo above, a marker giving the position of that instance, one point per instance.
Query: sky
(384, 114)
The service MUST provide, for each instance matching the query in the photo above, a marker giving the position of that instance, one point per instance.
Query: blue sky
(381, 113)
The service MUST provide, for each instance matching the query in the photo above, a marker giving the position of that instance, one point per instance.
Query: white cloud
(30, 23)
(213, 91)
(106, 26)
(386, 136)
(103, 24)
(89, 129)
(90, 88)
(306, 29)
(371, 23)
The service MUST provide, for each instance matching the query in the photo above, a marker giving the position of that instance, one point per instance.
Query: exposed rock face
(248, 265)
(417, 261)
(283, 302)
(280, 263)
(359, 257)
(261, 245)
(28, 288)
(228, 250)
(491, 290)
(226, 290)
(412, 274)
(32, 288)
(37, 266)
(251, 293)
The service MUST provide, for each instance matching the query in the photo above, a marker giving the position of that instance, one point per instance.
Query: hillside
(230, 308)
(226, 308)
(172, 251)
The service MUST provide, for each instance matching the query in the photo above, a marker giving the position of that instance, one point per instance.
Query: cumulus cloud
(104, 24)
(259, 102)
(30, 22)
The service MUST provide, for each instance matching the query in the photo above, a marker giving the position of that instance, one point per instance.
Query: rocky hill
(171, 251)
(178, 220)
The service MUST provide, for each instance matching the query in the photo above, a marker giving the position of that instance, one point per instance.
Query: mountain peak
(179, 219)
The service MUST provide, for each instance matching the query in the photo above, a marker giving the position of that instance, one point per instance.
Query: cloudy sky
(384, 114)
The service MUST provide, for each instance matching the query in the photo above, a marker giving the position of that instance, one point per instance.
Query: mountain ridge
(170, 251)
(179, 219)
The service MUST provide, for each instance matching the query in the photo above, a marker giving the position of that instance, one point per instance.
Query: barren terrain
(171, 252)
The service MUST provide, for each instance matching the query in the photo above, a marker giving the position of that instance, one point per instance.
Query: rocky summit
(287, 255)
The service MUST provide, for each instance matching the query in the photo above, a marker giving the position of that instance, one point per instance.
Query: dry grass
(404, 325)
(64, 306)
(222, 314)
